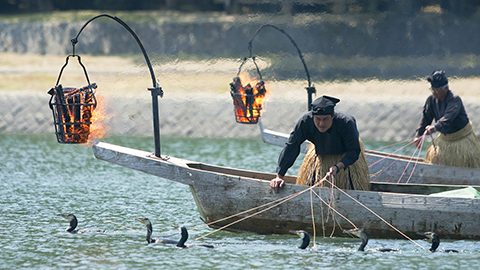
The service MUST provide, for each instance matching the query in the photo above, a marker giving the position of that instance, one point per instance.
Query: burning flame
(247, 100)
(98, 128)
(74, 113)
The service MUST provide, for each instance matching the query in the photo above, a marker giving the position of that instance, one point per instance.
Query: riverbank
(335, 47)
(197, 102)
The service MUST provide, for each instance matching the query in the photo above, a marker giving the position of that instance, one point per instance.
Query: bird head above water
(145, 221)
(72, 219)
(434, 239)
(360, 233)
(304, 236)
(184, 237)
(180, 243)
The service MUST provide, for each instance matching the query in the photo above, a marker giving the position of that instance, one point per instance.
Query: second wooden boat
(385, 167)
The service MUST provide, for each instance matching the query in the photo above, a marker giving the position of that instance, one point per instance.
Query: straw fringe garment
(460, 149)
(314, 168)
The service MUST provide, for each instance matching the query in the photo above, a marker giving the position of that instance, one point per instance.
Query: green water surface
(40, 178)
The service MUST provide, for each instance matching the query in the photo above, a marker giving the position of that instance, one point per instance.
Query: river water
(40, 179)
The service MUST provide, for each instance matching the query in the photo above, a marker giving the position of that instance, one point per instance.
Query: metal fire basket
(72, 109)
(247, 100)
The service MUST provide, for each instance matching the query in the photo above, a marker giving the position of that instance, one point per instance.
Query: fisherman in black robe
(457, 144)
(337, 153)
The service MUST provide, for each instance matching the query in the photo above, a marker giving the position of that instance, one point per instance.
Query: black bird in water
(435, 240)
(305, 236)
(360, 233)
(72, 228)
(150, 240)
(180, 243)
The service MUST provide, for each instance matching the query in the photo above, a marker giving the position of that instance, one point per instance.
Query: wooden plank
(424, 189)
(144, 161)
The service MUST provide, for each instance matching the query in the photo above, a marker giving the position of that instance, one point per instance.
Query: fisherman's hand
(332, 172)
(417, 141)
(429, 130)
(277, 182)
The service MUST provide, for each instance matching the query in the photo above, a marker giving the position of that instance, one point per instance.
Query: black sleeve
(451, 112)
(427, 118)
(292, 148)
(351, 142)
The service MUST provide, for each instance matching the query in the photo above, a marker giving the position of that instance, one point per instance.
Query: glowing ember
(247, 100)
(72, 112)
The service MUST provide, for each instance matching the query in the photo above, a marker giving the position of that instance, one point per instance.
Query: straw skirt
(459, 149)
(315, 167)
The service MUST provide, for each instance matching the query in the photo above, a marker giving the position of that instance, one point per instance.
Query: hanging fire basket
(72, 109)
(247, 100)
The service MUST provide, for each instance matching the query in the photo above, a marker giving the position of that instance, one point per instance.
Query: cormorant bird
(72, 228)
(435, 240)
(180, 243)
(305, 236)
(73, 222)
(360, 233)
(150, 240)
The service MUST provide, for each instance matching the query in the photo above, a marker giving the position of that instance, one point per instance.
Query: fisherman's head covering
(324, 105)
(438, 79)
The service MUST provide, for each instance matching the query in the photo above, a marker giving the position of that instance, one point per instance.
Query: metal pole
(156, 90)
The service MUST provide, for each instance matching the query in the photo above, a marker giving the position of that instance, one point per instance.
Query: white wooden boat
(220, 192)
(385, 167)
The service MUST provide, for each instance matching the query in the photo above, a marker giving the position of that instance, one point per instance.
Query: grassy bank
(126, 76)
(336, 47)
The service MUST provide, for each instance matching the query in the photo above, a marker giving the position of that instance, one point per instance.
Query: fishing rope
(313, 219)
(338, 213)
(255, 208)
(408, 141)
(422, 138)
(384, 169)
(286, 198)
(386, 156)
(246, 211)
(331, 207)
(377, 215)
(261, 211)
(323, 223)
(416, 162)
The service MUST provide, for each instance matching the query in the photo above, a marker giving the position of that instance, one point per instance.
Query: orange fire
(73, 110)
(98, 128)
(247, 100)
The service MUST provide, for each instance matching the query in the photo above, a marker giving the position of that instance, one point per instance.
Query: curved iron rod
(254, 62)
(250, 47)
(147, 60)
(310, 89)
(156, 90)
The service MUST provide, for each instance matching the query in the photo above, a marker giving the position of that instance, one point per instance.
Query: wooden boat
(385, 167)
(220, 192)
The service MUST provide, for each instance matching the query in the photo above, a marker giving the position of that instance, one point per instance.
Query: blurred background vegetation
(340, 39)
(458, 7)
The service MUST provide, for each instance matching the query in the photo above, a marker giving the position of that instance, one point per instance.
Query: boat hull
(221, 192)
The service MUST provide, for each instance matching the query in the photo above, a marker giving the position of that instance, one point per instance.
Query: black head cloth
(324, 105)
(438, 79)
